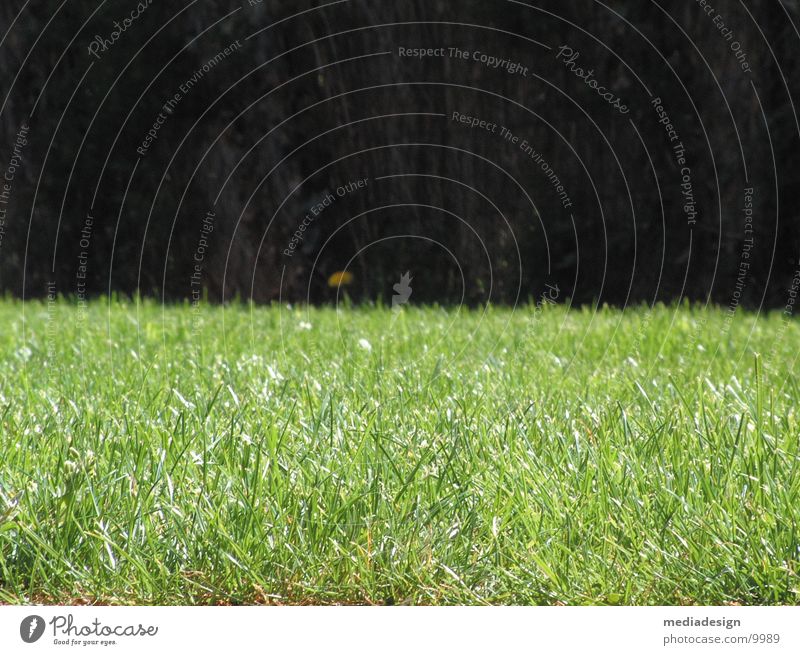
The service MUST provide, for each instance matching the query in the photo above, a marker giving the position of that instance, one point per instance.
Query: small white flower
(364, 344)
(304, 325)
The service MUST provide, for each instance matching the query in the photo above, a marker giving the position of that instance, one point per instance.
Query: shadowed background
(265, 126)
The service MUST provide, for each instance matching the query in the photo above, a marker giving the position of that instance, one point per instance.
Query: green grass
(233, 455)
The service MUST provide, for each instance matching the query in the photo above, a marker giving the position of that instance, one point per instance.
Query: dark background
(299, 110)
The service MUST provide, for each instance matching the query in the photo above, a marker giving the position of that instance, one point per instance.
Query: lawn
(180, 455)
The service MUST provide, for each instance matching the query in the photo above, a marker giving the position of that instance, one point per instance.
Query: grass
(255, 455)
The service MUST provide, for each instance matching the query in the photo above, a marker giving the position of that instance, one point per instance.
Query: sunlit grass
(180, 455)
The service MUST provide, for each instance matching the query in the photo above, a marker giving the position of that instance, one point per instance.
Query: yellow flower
(340, 279)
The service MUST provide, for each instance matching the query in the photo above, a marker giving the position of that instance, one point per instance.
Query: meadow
(227, 455)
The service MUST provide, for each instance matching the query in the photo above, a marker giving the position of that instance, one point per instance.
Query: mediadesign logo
(402, 291)
(31, 628)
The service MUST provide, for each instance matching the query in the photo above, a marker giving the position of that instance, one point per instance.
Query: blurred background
(210, 148)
